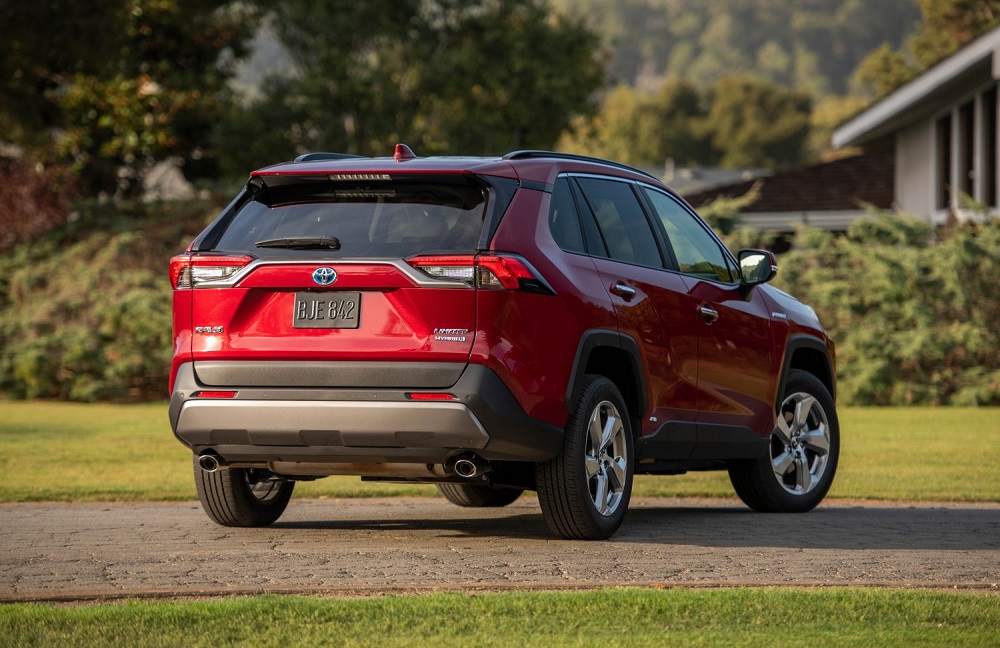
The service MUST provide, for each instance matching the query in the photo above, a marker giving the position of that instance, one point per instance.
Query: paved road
(97, 551)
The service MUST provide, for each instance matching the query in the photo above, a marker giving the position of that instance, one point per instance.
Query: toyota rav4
(536, 321)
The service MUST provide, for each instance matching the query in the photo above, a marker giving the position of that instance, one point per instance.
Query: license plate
(331, 310)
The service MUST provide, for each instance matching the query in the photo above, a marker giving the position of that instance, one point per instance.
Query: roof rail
(312, 157)
(528, 154)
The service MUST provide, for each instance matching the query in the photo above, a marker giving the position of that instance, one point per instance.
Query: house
(924, 147)
(942, 127)
(828, 195)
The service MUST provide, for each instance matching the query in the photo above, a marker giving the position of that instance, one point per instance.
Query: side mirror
(757, 266)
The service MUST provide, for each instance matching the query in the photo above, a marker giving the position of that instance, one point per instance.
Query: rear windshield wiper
(302, 243)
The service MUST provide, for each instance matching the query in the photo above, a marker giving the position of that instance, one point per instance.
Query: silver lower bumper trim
(360, 424)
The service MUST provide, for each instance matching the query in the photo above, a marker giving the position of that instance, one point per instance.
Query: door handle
(708, 313)
(625, 292)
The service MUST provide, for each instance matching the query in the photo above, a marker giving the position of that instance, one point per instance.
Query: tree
(114, 86)
(945, 26)
(758, 123)
(444, 76)
(645, 129)
(748, 122)
(812, 45)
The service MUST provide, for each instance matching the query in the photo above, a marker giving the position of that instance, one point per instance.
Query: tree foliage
(741, 121)
(35, 198)
(444, 76)
(117, 84)
(812, 45)
(644, 128)
(945, 26)
(758, 124)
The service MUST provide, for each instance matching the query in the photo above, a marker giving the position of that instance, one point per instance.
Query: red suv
(537, 321)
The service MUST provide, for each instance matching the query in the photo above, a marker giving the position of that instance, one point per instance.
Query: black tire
(567, 494)
(476, 495)
(794, 472)
(242, 497)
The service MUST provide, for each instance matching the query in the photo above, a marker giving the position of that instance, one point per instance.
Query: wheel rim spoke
(596, 432)
(601, 493)
(803, 478)
(781, 430)
(782, 463)
(617, 474)
(611, 426)
(802, 409)
(817, 441)
(593, 465)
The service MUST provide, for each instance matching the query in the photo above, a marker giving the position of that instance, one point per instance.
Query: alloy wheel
(606, 458)
(800, 444)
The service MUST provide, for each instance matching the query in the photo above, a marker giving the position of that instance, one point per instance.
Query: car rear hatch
(340, 280)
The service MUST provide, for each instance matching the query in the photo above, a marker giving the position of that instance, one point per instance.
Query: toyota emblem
(324, 276)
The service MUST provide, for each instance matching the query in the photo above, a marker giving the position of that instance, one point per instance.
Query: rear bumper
(353, 424)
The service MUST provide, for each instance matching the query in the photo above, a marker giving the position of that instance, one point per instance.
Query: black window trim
(576, 206)
(666, 257)
(660, 235)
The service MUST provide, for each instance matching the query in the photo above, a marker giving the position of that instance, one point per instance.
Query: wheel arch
(809, 354)
(615, 356)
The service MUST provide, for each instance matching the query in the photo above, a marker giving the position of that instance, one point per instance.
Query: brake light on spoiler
(187, 271)
(489, 271)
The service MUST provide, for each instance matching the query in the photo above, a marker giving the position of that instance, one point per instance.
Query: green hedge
(915, 310)
(85, 309)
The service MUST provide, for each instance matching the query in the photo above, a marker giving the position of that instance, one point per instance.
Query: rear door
(328, 269)
(651, 304)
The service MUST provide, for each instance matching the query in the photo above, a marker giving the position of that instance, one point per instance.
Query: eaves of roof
(980, 58)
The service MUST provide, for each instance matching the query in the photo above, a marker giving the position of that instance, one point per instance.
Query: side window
(622, 222)
(564, 223)
(697, 252)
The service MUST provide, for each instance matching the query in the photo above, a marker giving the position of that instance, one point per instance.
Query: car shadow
(854, 528)
(531, 526)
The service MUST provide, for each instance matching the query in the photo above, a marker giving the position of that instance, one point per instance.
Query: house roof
(978, 61)
(841, 185)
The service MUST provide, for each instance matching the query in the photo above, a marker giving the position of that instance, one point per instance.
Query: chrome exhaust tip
(469, 468)
(208, 463)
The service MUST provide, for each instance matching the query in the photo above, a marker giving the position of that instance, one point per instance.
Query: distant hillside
(814, 45)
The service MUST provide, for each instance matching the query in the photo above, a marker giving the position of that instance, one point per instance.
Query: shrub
(914, 310)
(85, 312)
(35, 199)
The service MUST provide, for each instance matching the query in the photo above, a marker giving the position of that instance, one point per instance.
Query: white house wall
(915, 184)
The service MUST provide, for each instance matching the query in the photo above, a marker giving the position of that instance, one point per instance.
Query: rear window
(373, 219)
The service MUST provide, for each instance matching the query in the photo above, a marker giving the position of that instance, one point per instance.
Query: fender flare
(796, 343)
(594, 339)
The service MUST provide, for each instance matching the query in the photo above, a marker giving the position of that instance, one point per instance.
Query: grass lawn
(621, 617)
(73, 452)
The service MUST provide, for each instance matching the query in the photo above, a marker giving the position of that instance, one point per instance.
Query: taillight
(490, 271)
(461, 267)
(188, 271)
